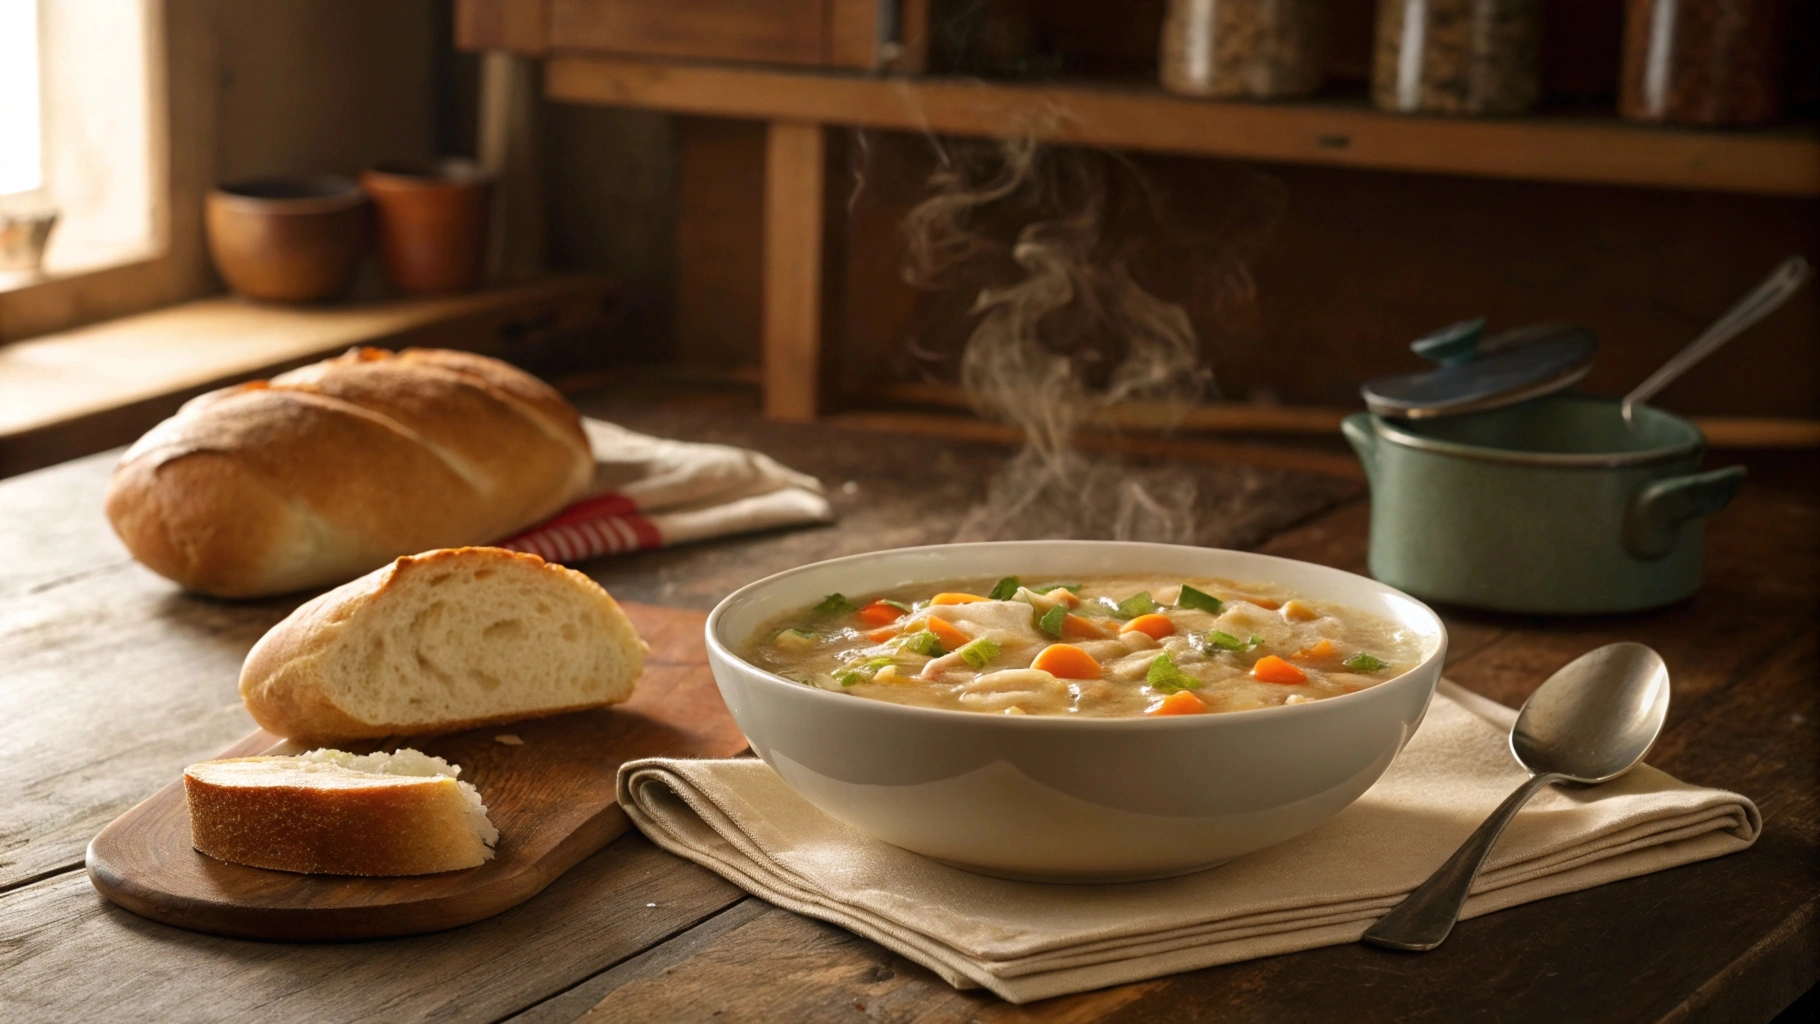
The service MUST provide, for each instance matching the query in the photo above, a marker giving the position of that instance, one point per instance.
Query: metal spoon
(1590, 722)
(1761, 302)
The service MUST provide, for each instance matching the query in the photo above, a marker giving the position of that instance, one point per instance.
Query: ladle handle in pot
(1652, 521)
(1761, 302)
(1425, 917)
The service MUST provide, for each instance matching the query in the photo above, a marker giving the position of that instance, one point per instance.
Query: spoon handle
(1425, 917)
(1761, 302)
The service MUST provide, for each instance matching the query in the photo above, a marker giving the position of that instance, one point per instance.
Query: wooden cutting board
(551, 797)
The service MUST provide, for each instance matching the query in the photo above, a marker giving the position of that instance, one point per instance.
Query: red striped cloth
(606, 524)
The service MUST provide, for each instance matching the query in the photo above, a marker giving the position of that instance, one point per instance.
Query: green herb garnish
(899, 605)
(1224, 641)
(835, 604)
(1192, 598)
(921, 642)
(1003, 590)
(1136, 605)
(1052, 620)
(1165, 678)
(1072, 588)
(979, 652)
(1362, 662)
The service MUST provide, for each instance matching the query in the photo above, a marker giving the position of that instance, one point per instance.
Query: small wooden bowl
(432, 218)
(288, 239)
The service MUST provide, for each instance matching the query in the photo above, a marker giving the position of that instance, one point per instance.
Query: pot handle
(1364, 440)
(1652, 522)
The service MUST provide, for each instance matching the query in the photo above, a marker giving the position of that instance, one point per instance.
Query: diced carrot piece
(1077, 626)
(1154, 626)
(1321, 651)
(1266, 604)
(951, 637)
(878, 613)
(1272, 669)
(1298, 611)
(882, 633)
(1179, 703)
(952, 598)
(1066, 661)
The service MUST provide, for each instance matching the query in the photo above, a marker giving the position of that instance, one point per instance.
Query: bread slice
(439, 642)
(329, 812)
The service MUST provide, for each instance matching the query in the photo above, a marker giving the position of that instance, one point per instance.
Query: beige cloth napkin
(1028, 941)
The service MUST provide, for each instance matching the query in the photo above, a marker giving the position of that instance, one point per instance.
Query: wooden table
(111, 681)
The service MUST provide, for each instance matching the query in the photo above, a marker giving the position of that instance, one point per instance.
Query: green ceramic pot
(1551, 506)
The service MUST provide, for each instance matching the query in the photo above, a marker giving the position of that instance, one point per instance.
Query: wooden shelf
(1608, 151)
(69, 394)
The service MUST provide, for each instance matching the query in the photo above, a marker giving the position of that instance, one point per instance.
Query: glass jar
(1257, 49)
(1457, 56)
(1711, 62)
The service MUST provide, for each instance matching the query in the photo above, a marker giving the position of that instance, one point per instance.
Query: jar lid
(1477, 373)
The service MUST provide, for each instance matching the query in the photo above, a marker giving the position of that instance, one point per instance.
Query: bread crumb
(650, 904)
(510, 739)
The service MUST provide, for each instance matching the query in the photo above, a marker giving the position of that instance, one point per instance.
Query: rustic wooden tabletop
(111, 681)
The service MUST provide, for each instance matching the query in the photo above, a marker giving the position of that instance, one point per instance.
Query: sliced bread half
(439, 642)
(330, 812)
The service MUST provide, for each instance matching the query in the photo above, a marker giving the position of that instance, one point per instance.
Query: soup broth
(1098, 646)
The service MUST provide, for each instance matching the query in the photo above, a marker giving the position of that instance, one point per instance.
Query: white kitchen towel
(1028, 941)
(652, 492)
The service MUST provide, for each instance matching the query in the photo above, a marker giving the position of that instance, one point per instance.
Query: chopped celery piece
(1052, 620)
(1192, 598)
(979, 652)
(835, 604)
(862, 671)
(1165, 678)
(1003, 590)
(921, 642)
(1072, 588)
(899, 605)
(1362, 662)
(1136, 605)
(1255, 641)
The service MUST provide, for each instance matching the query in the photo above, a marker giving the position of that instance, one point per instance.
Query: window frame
(183, 65)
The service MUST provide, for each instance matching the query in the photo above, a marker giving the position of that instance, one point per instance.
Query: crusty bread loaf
(442, 641)
(334, 813)
(331, 470)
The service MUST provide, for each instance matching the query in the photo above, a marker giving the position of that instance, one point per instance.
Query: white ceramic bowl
(1069, 799)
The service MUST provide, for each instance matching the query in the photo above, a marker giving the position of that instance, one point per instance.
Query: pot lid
(1477, 373)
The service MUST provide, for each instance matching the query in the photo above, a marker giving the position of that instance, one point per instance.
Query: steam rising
(1063, 331)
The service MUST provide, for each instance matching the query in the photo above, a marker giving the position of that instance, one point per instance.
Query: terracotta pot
(432, 218)
(288, 239)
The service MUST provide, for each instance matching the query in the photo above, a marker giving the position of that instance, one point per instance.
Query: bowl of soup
(1076, 711)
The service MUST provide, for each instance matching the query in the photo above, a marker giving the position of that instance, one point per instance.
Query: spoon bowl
(1590, 722)
(1597, 717)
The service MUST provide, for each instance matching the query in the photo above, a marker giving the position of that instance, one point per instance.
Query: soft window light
(21, 135)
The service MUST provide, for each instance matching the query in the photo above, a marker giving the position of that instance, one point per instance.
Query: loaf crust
(334, 469)
(291, 685)
(264, 812)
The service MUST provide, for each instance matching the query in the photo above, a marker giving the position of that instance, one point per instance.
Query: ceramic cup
(432, 218)
(1061, 799)
(288, 239)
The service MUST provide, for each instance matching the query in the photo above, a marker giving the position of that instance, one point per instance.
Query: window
(76, 127)
(21, 150)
